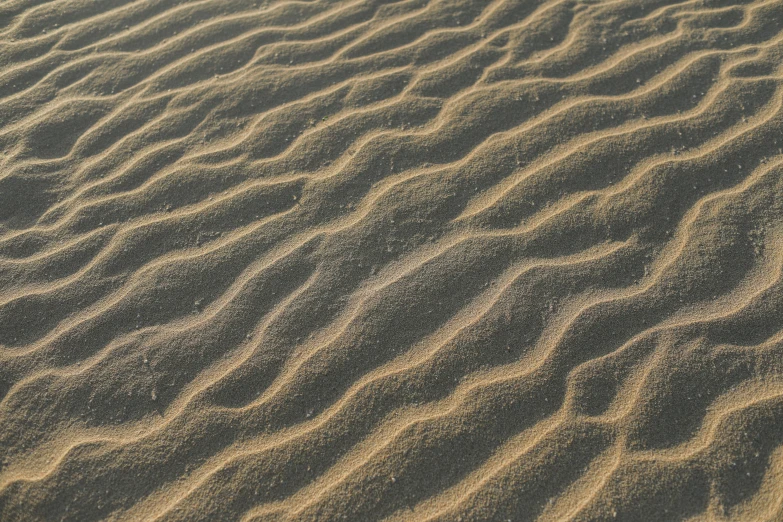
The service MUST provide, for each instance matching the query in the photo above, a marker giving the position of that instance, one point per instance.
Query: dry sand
(414, 260)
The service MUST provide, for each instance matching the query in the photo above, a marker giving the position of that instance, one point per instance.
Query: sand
(406, 260)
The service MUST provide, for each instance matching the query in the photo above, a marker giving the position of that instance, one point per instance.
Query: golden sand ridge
(427, 260)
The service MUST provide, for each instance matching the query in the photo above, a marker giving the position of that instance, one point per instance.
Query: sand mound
(405, 260)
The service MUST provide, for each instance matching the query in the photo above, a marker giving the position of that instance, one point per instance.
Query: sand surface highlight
(391, 260)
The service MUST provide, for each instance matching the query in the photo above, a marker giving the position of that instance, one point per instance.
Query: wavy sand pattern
(405, 260)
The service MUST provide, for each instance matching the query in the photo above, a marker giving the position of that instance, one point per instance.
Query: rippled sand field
(403, 260)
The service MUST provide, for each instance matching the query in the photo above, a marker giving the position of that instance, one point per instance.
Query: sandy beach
(415, 260)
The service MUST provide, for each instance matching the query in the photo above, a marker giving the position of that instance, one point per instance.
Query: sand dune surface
(428, 260)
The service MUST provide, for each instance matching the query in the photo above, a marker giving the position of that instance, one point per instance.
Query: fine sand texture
(428, 260)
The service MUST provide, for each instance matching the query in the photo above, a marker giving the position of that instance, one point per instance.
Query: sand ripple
(404, 260)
